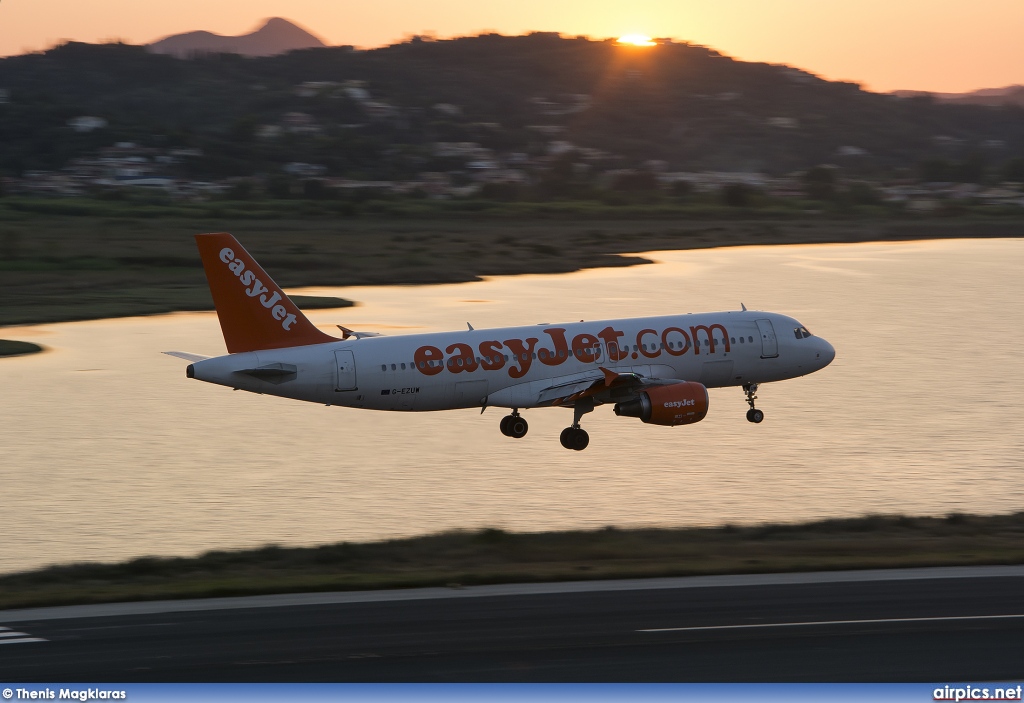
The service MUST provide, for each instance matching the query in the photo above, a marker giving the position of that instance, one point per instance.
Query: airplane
(654, 369)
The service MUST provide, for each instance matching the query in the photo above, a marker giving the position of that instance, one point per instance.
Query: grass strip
(57, 268)
(495, 556)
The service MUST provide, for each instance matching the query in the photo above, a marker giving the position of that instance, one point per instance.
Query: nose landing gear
(514, 425)
(753, 415)
(575, 437)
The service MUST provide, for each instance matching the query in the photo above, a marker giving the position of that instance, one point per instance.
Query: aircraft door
(346, 364)
(769, 344)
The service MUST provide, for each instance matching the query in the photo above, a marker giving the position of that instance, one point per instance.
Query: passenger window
(742, 340)
(383, 367)
(732, 340)
(750, 339)
(393, 368)
(403, 367)
(422, 365)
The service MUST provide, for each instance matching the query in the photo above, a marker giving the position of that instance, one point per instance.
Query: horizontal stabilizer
(187, 356)
(346, 333)
(271, 371)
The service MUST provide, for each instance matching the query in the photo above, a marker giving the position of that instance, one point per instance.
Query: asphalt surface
(930, 625)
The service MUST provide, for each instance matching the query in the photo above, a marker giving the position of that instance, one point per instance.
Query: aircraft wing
(610, 387)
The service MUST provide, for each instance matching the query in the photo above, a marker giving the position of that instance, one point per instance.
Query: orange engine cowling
(678, 404)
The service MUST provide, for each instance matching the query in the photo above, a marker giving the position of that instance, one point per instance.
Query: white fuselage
(512, 367)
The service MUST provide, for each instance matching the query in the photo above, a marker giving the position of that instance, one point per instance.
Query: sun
(636, 40)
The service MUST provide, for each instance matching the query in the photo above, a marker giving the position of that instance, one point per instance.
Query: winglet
(609, 376)
(744, 307)
(254, 312)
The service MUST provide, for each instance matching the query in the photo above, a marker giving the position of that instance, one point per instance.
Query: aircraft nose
(826, 353)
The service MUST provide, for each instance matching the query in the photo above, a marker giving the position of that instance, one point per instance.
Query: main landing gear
(514, 425)
(575, 437)
(753, 415)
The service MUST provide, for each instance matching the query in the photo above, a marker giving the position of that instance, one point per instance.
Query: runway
(935, 625)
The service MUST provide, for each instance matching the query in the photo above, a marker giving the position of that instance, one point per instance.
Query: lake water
(109, 452)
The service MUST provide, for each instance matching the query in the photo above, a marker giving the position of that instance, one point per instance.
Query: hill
(276, 36)
(484, 102)
(1010, 95)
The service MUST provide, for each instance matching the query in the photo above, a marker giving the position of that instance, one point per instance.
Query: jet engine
(677, 404)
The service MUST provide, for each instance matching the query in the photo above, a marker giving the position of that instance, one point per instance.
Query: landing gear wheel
(564, 437)
(517, 427)
(514, 425)
(755, 415)
(574, 438)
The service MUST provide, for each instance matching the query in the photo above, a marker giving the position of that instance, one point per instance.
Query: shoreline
(107, 276)
(494, 556)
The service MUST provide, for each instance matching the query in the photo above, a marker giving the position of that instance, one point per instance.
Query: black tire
(518, 427)
(580, 439)
(750, 415)
(504, 425)
(564, 438)
(756, 415)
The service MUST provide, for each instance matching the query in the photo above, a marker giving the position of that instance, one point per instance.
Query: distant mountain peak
(276, 21)
(275, 36)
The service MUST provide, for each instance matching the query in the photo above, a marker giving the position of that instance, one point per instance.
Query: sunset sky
(883, 44)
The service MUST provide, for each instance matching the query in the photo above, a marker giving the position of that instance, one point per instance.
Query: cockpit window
(801, 333)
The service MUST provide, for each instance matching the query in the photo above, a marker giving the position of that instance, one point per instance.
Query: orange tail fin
(254, 312)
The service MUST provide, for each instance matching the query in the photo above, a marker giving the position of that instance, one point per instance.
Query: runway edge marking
(503, 590)
(873, 621)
